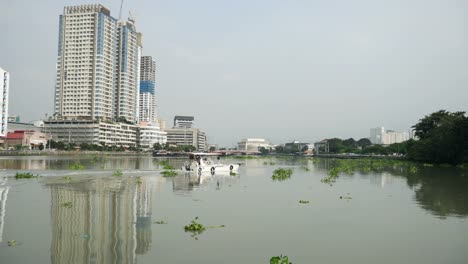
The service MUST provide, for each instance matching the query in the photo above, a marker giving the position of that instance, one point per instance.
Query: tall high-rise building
(4, 90)
(148, 108)
(128, 80)
(98, 65)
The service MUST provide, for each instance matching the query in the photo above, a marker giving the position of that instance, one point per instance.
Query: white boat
(201, 162)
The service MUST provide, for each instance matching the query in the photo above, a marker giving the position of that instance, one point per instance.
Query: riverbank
(70, 153)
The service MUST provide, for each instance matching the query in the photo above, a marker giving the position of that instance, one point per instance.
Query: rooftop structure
(183, 121)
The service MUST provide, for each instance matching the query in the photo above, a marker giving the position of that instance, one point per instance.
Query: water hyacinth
(281, 174)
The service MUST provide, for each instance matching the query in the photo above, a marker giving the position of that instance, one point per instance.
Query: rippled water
(90, 216)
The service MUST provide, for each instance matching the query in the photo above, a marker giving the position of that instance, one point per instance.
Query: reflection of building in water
(3, 197)
(382, 179)
(98, 221)
(192, 180)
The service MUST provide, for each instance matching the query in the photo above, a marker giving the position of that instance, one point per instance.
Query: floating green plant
(194, 227)
(165, 164)
(303, 201)
(161, 222)
(169, 173)
(67, 204)
(272, 163)
(280, 260)
(265, 163)
(281, 174)
(232, 173)
(76, 166)
(305, 168)
(12, 243)
(68, 178)
(413, 169)
(117, 173)
(25, 175)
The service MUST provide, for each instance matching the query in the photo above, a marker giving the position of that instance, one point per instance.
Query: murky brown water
(90, 216)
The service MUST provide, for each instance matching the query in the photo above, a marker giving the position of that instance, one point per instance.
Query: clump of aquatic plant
(305, 168)
(161, 222)
(232, 173)
(25, 175)
(165, 165)
(413, 169)
(303, 201)
(281, 174)
(76, 166)
(12, 243)
(428, 165)
(272, 163)
(67, 204)
(194, 227)
(117, 173)
(280, 260)
(67, 178)
(169, 173)
(346, 197)
(265, 163)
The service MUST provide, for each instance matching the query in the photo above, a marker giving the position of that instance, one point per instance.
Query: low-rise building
(151, 134)
(253, 144)
(186, 137)
(92, 132)
(29, 139)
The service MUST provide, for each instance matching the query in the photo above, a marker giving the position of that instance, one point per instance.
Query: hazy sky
(280, 70)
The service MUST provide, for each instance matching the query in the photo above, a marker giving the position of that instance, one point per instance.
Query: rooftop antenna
(120, 12)
(130, 17)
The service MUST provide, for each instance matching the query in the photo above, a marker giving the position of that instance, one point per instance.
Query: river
(120, 209)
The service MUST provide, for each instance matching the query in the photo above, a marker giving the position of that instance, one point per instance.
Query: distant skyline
(280, 70)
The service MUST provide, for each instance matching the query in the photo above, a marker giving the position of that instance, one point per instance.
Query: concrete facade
(92, 132)
(186, 136)
(148, 107)
(98, 66)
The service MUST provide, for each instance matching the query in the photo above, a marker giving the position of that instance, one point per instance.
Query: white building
(148, 107)
(253, 144)
(98, 66)
(128, 65)
(151, 134)
(381, 137)
(92, 132)
(4, 93)
(86, 64)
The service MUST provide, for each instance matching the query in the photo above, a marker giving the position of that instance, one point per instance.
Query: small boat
(200, 162)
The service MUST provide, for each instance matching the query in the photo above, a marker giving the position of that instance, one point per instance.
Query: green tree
(441, 138)
(364, 142)
(157, 146)
(264, 151)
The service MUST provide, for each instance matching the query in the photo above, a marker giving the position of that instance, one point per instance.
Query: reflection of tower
(144, 192)
(3, 197)
(98, 226)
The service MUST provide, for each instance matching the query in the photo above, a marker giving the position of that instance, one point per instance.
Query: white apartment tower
(128, 80)
(97, 67)
(148, 108)
(4, 90)
(86, 65)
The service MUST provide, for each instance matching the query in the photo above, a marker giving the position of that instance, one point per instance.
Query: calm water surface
(90, 216)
